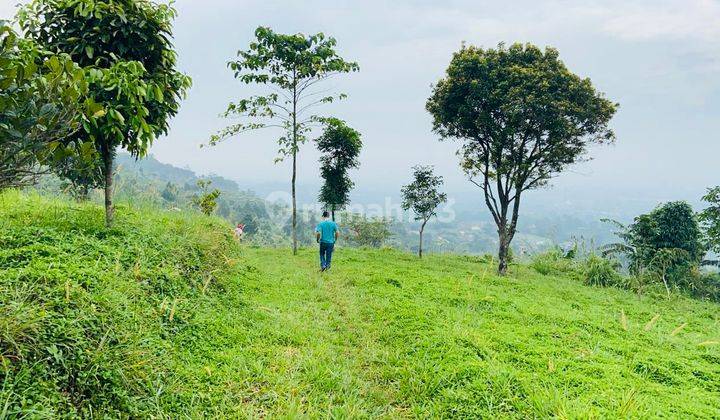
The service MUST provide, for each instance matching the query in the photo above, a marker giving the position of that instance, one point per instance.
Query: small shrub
(206, 201)
(552, 262)
(362, 231)
(598, 271)
(706, 286)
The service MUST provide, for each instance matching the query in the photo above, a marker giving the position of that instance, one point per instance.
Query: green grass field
(165, 316)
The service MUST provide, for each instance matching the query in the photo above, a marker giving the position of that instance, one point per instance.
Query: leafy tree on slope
(42, 101)
(521, 118)
(291, 66)
(125, 48)
(423, 197)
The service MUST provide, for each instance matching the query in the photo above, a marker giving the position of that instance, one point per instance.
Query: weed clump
(598, 271)
(553, 262)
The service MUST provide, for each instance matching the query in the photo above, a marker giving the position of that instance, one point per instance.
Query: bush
(552, 262)
(362, 231)
(667, 241)
(706, 286)
(598, 271)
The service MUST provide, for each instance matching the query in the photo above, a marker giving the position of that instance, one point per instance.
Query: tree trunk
(667, 287)
(422, 229)
(333, 212)
(109, 209)
(294, 169)
(294, 204)
(503, 251)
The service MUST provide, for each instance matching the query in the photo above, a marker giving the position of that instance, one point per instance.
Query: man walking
(326, 233)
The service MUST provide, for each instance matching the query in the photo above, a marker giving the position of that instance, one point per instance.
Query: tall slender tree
(125, 48)
(340, 146)
(422, 195)
(522, 117)
(291, 66)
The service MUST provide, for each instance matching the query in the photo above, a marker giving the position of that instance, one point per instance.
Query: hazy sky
(659, 59)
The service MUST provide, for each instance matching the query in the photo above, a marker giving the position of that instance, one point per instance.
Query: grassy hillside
(88, 314)
(165, 316)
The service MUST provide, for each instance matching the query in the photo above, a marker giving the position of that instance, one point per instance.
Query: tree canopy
(423, 196)
(340, 146)
(521, 117)
(42, 101)
(125, 48)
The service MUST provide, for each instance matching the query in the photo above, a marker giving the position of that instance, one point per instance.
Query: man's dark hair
(326, 214)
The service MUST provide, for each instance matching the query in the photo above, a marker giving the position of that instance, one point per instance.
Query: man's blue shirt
(327, 229)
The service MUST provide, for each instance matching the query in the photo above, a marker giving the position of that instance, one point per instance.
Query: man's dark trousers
(326, 251)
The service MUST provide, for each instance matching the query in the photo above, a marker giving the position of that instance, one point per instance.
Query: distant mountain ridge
(151, 167)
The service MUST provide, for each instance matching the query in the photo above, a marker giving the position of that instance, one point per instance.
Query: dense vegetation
(88, 314)
(163, 315)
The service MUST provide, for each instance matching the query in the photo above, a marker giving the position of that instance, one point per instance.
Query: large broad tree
(291, 66)
(522, 117)
(42, 101)
(423, 196)
(125, 48)
(340, 147)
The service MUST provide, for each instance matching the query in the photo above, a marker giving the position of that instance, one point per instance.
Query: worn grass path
(386, 335)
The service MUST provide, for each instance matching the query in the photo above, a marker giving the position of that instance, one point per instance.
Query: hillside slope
(384, 334)
(165, 316)
(88, 314)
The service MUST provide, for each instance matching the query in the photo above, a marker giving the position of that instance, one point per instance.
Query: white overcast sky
(660, 59)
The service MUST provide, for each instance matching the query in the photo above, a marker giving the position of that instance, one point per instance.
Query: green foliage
(592, 269)
(82, 173)
(422, 196)
(170, 193)
(599, 271)
(521, 117)
(42, 102)
(340, 146)
(88, 315)
(706, 286)
(552, 262)
(206, 201)
(363, 231)
(130, 65)
(131, 62)
(667, 243)
(293, 64)
(710, 218)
